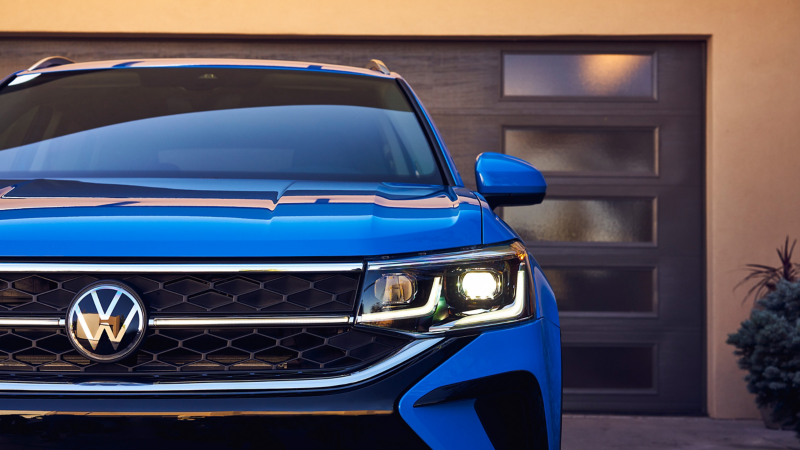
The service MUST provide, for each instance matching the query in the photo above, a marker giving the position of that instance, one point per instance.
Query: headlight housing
(452, 291)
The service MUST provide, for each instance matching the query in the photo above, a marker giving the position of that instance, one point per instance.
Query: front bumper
(499, 389)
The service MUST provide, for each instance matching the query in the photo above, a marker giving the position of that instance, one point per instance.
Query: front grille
(200, 352)
(220, 353)
(174, 293)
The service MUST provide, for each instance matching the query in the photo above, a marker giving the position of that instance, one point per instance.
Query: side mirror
(508, 181)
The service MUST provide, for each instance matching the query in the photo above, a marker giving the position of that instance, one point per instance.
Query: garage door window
(582, 151)
(578, 75)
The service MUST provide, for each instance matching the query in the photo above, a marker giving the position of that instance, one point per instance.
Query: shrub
(768, 345)
(767, 277)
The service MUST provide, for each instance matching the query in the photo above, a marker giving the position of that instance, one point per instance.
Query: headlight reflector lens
(396, 289)
(480, 285)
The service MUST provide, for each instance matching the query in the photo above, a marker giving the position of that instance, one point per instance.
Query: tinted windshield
(212, 123)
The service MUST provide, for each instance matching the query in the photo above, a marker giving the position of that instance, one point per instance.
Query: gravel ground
(580, 433)
(656, 433)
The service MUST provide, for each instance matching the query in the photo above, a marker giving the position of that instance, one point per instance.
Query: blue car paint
(308, 219)
(496, 173)
(533, 347)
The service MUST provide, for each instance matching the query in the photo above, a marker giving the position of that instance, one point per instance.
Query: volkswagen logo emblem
(106, 321)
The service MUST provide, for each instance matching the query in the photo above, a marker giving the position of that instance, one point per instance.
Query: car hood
(232, 218)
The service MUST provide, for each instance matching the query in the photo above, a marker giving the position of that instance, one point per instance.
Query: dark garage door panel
(668, 342)
(675, 354)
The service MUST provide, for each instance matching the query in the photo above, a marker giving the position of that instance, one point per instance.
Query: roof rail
(378, 66)
(51, 61)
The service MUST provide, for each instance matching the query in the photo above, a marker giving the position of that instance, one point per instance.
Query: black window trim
(430, 134)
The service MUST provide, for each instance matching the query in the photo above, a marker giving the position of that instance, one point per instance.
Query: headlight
(433, 294)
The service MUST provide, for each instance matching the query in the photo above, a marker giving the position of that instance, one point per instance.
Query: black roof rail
(51, 61)
(378, 66)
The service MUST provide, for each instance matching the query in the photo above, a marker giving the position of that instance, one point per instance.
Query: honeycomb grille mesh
(189, 353)
(175, 294)
(203, 351)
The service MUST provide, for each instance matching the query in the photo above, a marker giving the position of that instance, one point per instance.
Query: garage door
(618, 129)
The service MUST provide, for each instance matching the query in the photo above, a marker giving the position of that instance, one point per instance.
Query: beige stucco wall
(753, 97)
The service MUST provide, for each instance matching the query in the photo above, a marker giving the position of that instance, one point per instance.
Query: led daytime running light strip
(411, 313)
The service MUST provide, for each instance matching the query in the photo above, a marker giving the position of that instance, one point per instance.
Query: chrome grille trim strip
(408, 352)
(43, 322)
(178, 268)
(173, 322)
(177, 322)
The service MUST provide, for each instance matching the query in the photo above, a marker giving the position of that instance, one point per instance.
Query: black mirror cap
(495, 200)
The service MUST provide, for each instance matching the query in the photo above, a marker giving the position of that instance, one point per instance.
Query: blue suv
(281, 253)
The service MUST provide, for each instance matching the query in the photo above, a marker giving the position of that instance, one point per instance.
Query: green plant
(768, 277)
(768, 346)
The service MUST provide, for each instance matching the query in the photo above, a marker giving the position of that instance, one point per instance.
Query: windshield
(212, 123)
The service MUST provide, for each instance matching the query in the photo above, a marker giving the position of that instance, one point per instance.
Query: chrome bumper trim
(179, 268)
(178, 322)
(408, 352)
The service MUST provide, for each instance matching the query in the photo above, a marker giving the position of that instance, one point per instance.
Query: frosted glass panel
(577, 75)
(579, 220)
(584, 150)
(602, 290)
(592, 367)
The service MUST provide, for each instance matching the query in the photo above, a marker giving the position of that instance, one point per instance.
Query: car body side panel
(533, 347)
(546, 299)
(551, 351)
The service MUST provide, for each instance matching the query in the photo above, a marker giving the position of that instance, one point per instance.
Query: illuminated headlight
(480, 284)
(433, 294)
